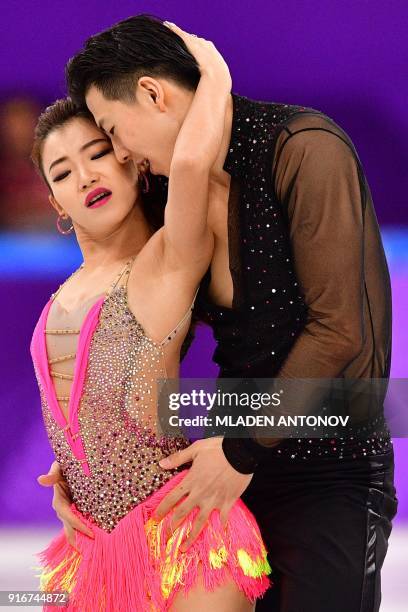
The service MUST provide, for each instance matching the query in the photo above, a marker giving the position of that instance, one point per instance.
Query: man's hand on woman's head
(62, 501)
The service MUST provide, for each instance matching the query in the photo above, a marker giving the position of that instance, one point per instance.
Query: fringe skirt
(134, 568)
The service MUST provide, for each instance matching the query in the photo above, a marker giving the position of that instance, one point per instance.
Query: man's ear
(152, 88)
(56, 206)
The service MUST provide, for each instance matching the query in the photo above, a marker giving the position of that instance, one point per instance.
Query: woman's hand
(62, 501)
(210, 60)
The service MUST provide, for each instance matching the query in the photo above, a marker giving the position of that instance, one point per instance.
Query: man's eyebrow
(83, 148)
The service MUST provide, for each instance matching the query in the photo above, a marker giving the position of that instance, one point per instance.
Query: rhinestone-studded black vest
(268, 312)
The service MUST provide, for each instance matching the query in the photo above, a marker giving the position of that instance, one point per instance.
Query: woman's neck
(123, 243)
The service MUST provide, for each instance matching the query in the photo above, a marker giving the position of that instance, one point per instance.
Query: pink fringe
(133, 568)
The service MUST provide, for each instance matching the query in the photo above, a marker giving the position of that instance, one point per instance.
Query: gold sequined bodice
(117, 418)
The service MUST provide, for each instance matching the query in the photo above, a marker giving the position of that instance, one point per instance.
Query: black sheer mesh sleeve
(339, 261)
(317, 181)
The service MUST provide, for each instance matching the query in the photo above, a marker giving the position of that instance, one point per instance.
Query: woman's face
(87, 181)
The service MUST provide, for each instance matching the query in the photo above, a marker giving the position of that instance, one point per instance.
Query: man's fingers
(170, 500)
(182, 510)
(198, 525)
(224, 512)
(178, 458)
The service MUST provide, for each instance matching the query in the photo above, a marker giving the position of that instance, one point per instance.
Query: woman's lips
(101, 202)
(100, 194)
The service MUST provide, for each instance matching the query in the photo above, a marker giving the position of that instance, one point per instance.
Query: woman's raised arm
(186, 235)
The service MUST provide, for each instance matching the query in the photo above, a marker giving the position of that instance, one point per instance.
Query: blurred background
(345, 58)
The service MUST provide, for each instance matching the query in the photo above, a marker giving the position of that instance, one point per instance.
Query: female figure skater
(113, 328)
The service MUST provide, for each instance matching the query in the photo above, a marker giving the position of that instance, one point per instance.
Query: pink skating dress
(108, 450)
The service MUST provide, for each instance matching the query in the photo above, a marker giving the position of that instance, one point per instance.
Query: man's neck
(218, 173)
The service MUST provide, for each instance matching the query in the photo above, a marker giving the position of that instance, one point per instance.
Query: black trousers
(326, 524)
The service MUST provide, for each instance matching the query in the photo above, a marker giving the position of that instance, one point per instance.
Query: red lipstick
(97, 197)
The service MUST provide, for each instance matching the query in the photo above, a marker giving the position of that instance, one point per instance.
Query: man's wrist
(239, 455)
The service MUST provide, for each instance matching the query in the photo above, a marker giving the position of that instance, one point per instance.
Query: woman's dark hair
(59, 114)
(115, 59)
(51, 119)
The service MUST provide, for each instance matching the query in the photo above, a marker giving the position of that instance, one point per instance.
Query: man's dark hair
(115, 59)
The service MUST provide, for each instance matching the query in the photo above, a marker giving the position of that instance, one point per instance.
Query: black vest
(255, 336)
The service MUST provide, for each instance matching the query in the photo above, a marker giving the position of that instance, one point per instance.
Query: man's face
(141, 129)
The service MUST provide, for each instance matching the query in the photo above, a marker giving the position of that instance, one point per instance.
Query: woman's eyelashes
(102, 153)
(60, 176)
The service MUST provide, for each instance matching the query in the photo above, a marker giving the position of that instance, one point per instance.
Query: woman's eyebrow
(85, 146)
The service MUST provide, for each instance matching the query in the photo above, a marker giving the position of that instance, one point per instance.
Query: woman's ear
(153, 90)
(56, 206)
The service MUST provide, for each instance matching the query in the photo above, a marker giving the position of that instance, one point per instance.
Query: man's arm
(325, 210)
(317, 182)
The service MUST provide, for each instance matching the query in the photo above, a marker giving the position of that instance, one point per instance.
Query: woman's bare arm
(187, 240)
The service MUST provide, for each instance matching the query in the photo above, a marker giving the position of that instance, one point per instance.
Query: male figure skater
(298, 288)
